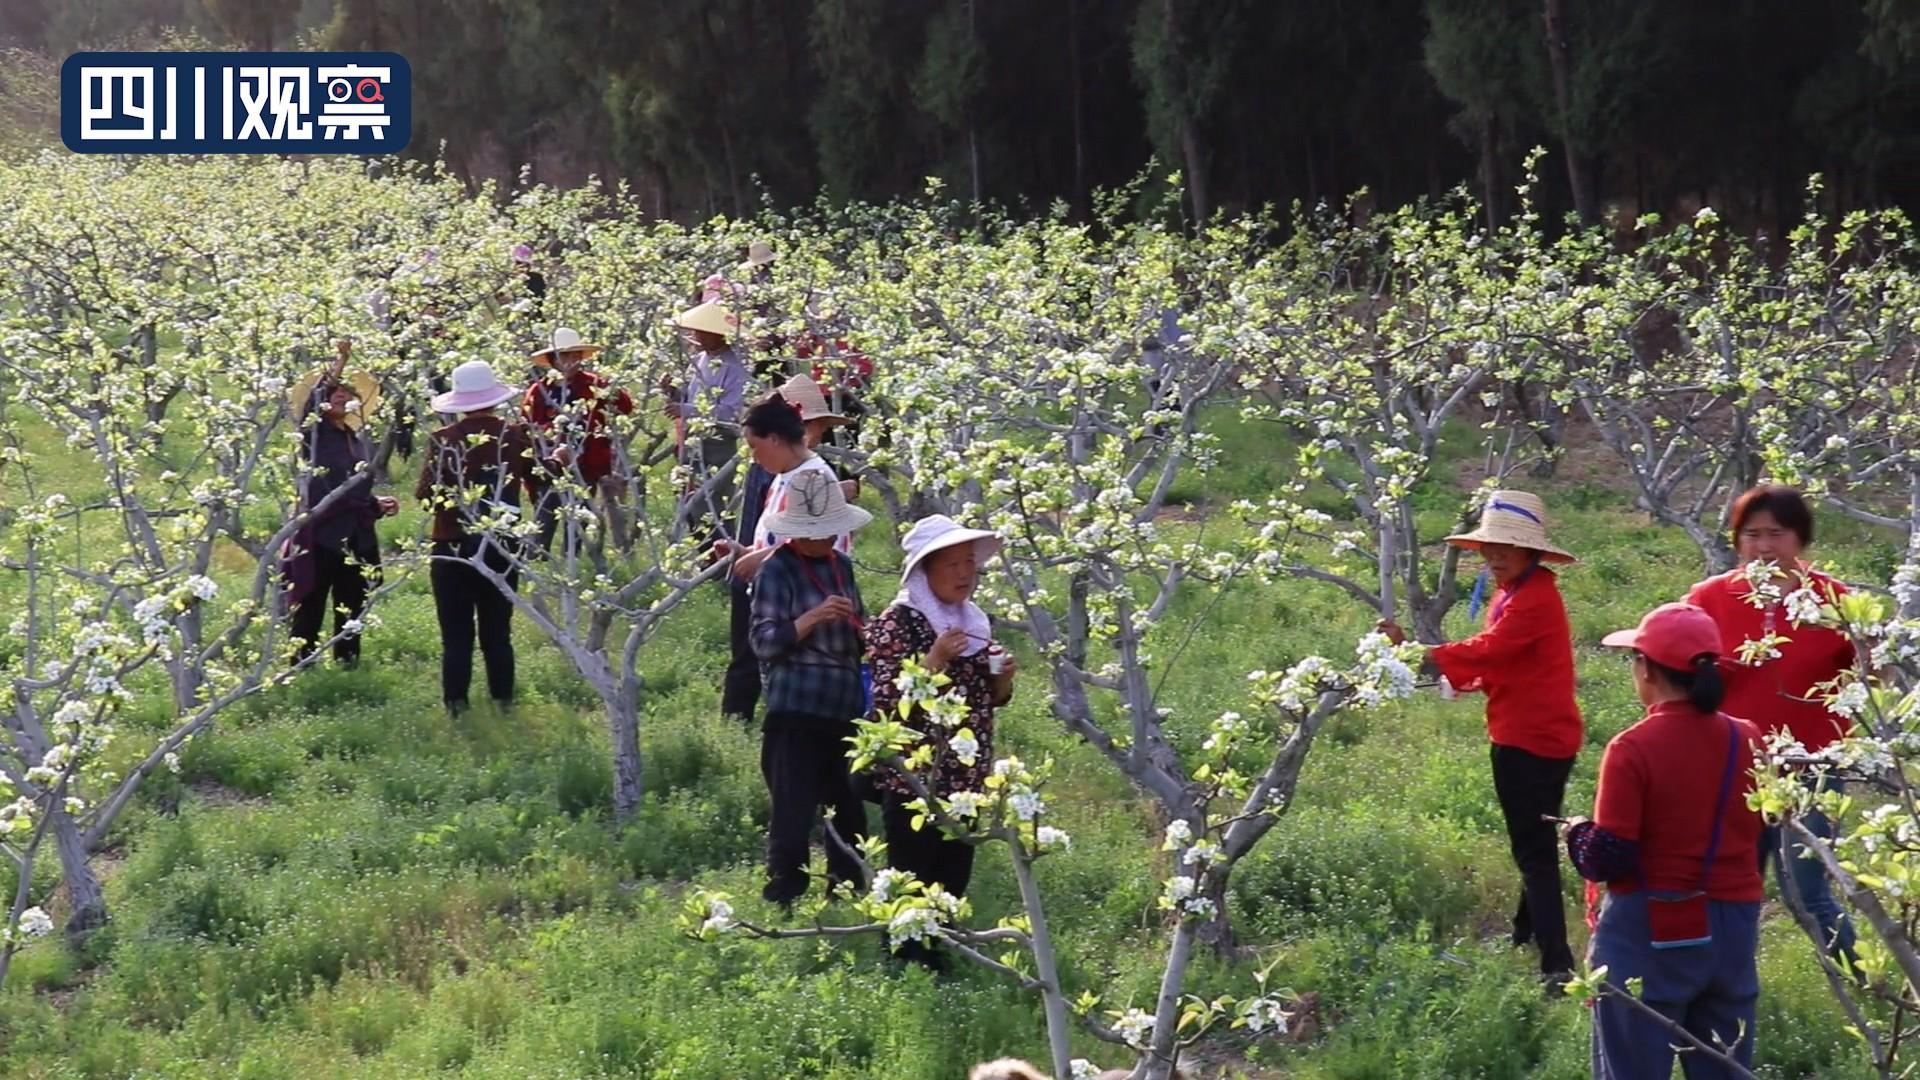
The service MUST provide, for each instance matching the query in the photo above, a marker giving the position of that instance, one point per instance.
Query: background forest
(710, 106)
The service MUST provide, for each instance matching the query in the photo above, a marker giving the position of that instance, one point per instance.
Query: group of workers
(1673, 850)
(801, 634)
(1672, 844)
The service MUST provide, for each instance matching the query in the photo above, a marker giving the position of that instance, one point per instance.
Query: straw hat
(475, 389)
(804, 394)
(711, 317)
(363, 385)
(759, 254)
(565, 339)
(937, 531)
(813, 508)
(1517, 518)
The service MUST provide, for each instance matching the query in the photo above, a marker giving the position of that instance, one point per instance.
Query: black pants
(928, 854)
(740, 694)
(465, 600)
(804, 761)
(339, 585)
(1528, 786)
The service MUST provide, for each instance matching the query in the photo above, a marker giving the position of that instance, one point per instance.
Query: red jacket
(1524, 662)
(1658, 781)
(1777, 694)
(548, 398)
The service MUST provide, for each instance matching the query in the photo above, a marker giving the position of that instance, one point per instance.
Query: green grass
(342, 881)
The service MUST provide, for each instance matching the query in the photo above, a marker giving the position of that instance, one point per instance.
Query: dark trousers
(466, 602)
(1528, 786)
(740, 694)
(339, 585)
(927, 854)
(1709, 989)
(804, 761)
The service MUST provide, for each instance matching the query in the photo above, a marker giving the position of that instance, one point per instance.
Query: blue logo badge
(236, 103)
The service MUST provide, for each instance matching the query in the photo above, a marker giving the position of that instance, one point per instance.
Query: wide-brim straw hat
(937, 531)
(812, 507)
(475, 389)
(565, 339)
(759, 254)
(804, 394)
(712, 317)
(1517, 518)
(364, 387)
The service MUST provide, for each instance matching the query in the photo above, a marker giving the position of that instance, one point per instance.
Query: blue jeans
(1808, 879)
(1707, 989)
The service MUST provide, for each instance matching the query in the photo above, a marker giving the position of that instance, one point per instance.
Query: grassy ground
(344, 882)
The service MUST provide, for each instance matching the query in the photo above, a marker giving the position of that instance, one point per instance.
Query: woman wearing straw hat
(934, 621)
(780, 438)
(709, 406)
(567, 408)
(336, 551)
(807, 619)
(480, 451)
(1672, 838)
(1523, 661)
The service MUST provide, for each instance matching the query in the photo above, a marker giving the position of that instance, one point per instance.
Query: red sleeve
(1620, 800)
(1529, 616)
(622, 401)
(534, 406)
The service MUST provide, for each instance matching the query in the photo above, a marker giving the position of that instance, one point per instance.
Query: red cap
(1672, 635)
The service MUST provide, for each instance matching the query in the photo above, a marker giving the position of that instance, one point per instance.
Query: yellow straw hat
(712, 317)
(1517, 518)
(362, 384)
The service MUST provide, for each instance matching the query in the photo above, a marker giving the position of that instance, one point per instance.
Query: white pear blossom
(965, 748)
(1178, 833)
(35, 922)
(719, 917)
(1135, 1028)
(1048, 838)
(1027, 805)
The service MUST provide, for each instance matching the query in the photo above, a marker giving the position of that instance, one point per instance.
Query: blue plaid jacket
(818, 677)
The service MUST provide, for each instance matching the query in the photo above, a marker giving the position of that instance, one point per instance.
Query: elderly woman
(1772, 527)
(807, 618)
(934, 621)
(1523, 660)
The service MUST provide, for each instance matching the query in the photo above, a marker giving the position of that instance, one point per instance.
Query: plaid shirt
(821, 675)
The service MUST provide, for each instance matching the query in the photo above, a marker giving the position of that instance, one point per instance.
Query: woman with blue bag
(806, 630)
(1672, 838)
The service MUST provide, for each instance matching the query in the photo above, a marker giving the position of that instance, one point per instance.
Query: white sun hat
(475, 389)
(759, 254)
(804, 394)
(937, 531)
(565, 339)
(1517, 518)
(814, 508)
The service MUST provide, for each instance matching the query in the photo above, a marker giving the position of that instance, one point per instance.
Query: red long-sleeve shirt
(1658, 781)
(1777, 694)
(547, 399)
(1523, 660)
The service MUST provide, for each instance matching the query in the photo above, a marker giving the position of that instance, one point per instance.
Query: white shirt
(777, 498)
